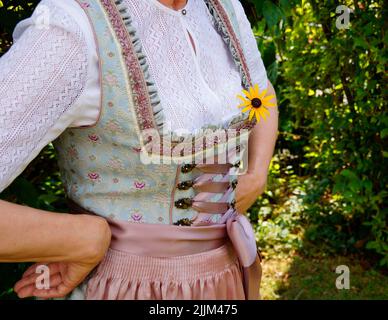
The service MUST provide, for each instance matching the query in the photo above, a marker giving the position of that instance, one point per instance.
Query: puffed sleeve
(41, 77)
(249, 44)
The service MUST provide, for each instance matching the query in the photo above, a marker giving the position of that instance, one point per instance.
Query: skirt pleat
(212, 275)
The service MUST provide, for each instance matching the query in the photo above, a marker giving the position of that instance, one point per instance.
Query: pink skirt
(213, 275)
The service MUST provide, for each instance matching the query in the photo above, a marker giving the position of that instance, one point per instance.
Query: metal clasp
(187, 168)
(184, 203)
(185, 185)
(184, 222)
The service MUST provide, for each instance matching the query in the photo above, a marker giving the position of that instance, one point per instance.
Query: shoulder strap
(229, 8)
(225, 19)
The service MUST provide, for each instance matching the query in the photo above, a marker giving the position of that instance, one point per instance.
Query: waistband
(170, 240)
(165, 240)
(161, 240)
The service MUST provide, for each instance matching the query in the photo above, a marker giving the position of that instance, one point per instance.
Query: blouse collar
(170, 10)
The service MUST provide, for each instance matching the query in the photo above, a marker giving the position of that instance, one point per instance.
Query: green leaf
(272, 72)
(349, 174)
(272, 13)
(26, 192)
(384, 133)
(258, 6)
(286, 6)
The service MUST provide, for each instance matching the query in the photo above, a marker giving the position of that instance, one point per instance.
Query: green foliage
(328, 180)
(330, 84)
(277, 214)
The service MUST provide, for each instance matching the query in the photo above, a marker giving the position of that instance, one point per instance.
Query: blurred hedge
(329, 175)
(333, 147)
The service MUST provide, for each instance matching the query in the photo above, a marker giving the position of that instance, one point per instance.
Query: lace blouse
(49, 79)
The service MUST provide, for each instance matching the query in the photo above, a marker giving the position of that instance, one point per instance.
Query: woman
(102, 79)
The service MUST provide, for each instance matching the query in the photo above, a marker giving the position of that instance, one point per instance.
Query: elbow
(99, 238)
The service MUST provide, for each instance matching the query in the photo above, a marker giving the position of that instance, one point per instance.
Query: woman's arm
(263, 136)
(28, 234)
(260, 150)
(42, 77)
(70, 246)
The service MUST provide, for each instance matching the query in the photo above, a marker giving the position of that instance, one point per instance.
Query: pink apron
(151, 261)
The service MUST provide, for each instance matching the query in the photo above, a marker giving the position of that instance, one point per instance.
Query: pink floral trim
(141, 99)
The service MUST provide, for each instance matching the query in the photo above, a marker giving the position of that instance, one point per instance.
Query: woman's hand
(250, 186)
(66, 276)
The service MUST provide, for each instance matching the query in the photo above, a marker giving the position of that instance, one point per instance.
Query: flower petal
(246, 109)
(257, 115)
(256, 90)
(262, 94)
(268, 98)
(266, 112)
(244, 104)
(262, 113)
(252, 92)
(242, 98)
(251, 114)
(247, 94)
(269, 104)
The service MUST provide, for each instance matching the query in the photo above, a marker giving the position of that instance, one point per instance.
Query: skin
(73, 245)
(174, 4)
(70, 245)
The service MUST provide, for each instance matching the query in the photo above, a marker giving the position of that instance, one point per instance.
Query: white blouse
(49, 79)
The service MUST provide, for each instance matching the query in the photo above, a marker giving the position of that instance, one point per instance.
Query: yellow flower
(256, 102)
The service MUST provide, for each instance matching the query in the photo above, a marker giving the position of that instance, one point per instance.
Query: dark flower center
(256, 103)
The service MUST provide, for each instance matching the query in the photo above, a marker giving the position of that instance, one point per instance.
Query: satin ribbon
(242, 236)
(211, 186)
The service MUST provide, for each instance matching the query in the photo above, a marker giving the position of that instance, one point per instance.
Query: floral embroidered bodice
(103, 166)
